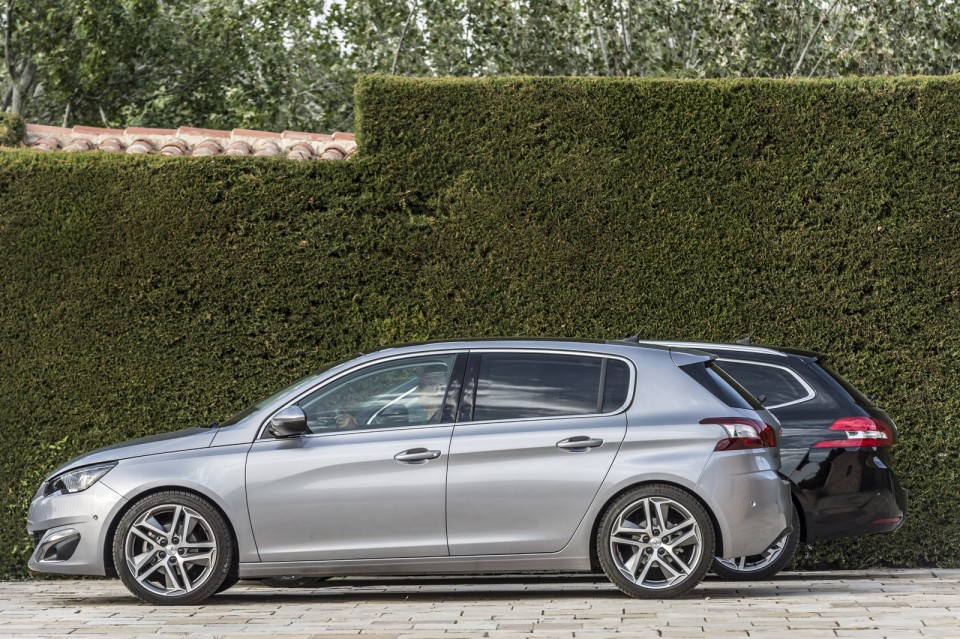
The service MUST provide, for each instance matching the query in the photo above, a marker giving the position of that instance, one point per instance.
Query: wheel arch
(801, 513)
(111, 569)
(595, 525)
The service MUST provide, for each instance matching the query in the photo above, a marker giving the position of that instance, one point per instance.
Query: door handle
(579, 444)
(416, 455)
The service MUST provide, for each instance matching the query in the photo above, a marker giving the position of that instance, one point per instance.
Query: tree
(278, 64)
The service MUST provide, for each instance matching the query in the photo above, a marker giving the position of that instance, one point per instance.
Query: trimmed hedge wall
(145, 294)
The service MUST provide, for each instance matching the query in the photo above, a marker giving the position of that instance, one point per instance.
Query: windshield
(263, 403)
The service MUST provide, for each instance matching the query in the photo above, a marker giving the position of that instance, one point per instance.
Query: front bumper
(70, 530)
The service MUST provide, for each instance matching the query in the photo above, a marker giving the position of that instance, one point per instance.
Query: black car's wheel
(766, 564)
(655, 541)
(173, 548)
(294, 582)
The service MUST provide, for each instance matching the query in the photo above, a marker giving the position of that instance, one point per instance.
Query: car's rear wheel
(173, 548)
(766, 564)
(655, 541)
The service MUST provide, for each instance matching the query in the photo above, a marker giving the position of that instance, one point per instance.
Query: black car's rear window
(857, 396)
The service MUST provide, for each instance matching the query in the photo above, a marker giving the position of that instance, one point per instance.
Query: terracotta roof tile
(185, 141)
(140, 147)
(47, 143)
(207, 133)
(174, 146)
(249, 133)
(332, 153)
(268, 149)
(79, 144)
(51, 130)
(237, 147)
(92, 130)
(146, 131)
(300, 135)
(110, 144)
(207, 147)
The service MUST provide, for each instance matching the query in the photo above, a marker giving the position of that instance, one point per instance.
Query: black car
(835, 449)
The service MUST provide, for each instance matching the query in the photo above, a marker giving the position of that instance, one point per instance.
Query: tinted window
(777, 386)
(855, 393)
(519, 385)
(616, 385)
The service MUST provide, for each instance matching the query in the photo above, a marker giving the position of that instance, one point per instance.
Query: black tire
(227, 584)
(294, 582)
(173, 571)
(765, 565)
(647, 558)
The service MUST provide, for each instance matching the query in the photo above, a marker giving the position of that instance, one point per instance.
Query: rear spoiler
(687, 356)
(812, 355)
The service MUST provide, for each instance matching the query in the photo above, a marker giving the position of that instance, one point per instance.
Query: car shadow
(497, 588)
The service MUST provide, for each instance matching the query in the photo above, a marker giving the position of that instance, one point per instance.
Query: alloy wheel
(755, 563)
(656, 543)
(171, 550)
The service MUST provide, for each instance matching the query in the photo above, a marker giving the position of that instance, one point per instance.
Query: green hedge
(145, 294)
(12, 129)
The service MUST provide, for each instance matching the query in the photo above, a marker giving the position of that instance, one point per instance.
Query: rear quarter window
(722, 386)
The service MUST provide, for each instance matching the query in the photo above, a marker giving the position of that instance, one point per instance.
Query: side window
(521, 385)
(404, 392)
(616, 385)
(777, 385)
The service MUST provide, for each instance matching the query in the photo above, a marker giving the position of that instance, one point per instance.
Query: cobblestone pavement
(896, 604)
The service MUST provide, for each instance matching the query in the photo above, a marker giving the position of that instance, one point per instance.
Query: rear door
(536, 435)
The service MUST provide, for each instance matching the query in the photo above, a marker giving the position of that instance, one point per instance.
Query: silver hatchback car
(453, 457)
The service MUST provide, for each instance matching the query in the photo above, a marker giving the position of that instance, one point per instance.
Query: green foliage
(140, 295)
(276, 64)
(12, 129)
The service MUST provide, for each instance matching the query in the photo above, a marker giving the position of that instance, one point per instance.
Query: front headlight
(78, 479)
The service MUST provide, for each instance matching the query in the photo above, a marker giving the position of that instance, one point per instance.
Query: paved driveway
(893, 604)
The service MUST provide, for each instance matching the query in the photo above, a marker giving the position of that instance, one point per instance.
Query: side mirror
(290, 422)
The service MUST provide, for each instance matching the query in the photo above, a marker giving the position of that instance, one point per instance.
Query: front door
(369, 480)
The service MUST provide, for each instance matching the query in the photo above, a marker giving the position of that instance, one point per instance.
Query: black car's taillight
(858, 431)
(744, 433)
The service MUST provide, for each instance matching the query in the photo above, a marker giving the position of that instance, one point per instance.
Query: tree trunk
(16, 103)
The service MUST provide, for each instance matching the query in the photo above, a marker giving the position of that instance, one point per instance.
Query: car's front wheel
(766, 564)
(173, 548)
(655, 541)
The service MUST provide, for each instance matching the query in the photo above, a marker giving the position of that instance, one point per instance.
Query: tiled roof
(293, 145)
